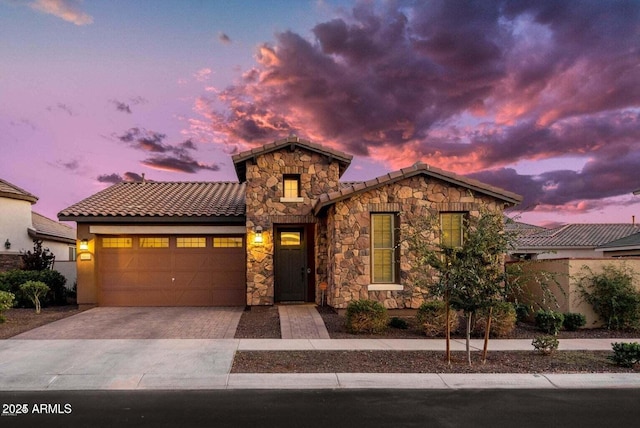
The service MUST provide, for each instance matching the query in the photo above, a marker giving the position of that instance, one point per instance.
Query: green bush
(546, 345)
(35, 291)
(613, 296)
(503, 320)
(522, 312)
(431, 317)
(6, 301)
(12, 280)
(399, 323)
(573, 321)
(549, 322)
(366, 316)
(625, 354)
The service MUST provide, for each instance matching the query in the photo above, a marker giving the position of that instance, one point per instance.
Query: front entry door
(291, 265)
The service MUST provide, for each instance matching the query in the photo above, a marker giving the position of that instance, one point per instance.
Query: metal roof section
(577, 236)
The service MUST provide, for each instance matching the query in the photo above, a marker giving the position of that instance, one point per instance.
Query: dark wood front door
(291, 265)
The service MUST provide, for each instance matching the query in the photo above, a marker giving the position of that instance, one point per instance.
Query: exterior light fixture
(84, 245)
(7, 244)
(257, 239)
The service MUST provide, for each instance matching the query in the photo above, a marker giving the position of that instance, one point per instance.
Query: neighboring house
(629, 246)
(286, 232)
(20, 226)
(573, 241)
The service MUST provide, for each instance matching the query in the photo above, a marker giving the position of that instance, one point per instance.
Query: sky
(539, 97)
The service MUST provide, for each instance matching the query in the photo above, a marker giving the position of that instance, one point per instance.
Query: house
(20, 226)
(287, 231)
(629, 246)
(573, 240)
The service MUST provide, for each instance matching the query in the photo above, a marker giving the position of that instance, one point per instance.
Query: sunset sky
(540, 97)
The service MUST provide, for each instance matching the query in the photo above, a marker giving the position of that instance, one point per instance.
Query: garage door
(171, 271)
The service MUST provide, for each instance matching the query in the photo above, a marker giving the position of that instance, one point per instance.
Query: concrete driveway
(142, 323)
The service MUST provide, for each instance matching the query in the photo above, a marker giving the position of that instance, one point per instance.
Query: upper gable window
(291, 188)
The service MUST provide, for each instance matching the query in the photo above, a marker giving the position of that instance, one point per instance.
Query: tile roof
(578, 235)
(45, 228)
(168, 200)
(11, 191)
(240, 158)
(631, 241)
(417, 169)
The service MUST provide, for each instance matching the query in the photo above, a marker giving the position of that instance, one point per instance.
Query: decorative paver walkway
(301, 322)
(142, 323)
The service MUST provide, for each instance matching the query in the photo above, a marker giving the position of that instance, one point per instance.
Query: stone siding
(348, 224)
(264, 174)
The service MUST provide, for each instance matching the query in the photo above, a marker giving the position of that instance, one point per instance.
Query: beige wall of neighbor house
(567, 295)
(15, 221)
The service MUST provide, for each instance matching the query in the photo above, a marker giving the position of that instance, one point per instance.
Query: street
(322, 408)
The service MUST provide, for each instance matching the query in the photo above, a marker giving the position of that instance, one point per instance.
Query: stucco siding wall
(15, 220)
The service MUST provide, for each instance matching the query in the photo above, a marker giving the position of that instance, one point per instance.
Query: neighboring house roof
(239, 159)
(11, 191)
(523, 229)
(417, 169)
(631, 242)
(637, 192)
(46, 229)
(577, 236)
(166, 201)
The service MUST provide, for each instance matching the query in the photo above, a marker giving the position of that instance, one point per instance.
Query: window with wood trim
(116, 242)
(384, 261)
(191, 242)
(452, 225)
(154, 242)
(291, 186)
(227, 242)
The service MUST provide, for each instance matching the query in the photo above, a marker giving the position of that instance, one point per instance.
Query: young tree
(38, 259)
(470, 276)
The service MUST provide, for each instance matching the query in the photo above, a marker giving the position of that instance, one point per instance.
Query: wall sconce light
(7, 244)
(257, 239)
(84, 245)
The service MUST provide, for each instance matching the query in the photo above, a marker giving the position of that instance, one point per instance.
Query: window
(290, 238)
(227, 242)
(154, 242)
(191, 242)
(451, 224)
(72, 254)
(384, 260)
(291, 186)
(116, 242)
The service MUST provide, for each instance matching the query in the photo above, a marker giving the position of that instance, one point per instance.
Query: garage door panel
(143, 277)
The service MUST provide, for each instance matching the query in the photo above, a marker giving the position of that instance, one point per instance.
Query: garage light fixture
(257, 239)
(84, 245)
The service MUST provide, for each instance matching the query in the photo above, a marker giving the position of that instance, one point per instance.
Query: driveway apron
(142, 323)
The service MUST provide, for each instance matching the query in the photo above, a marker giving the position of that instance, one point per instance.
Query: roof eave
(239, 219)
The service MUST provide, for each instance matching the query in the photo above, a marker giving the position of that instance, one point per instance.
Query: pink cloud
(68, 10)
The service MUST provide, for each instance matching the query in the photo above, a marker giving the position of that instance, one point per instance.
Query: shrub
(546, 345)
(612, 296)
(35, 290)
(38, 259)
(549, 322)
(396, 322)
(625, 354)
(522, 312)
(6, 301)
(11, 280)
(573, 321)
(431, 317)
(366, 316)
(503, 319)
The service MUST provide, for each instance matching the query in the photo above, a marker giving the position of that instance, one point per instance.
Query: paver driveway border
(142, 323)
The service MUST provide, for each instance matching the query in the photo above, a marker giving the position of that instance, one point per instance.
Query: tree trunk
(469, 315)
(486, 336)
(37, 303)
(447, 328)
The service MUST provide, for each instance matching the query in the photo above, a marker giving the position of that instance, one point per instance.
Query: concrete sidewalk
(168, 364)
